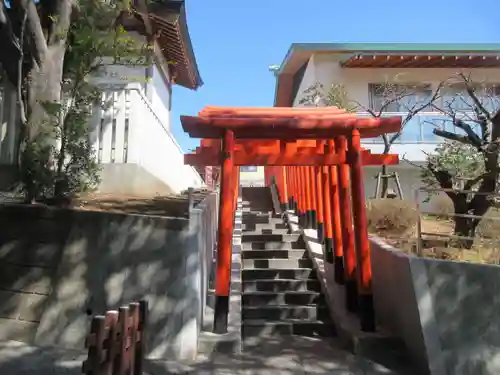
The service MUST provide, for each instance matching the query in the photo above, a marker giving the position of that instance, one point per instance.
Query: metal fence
(436, 233)
(116, 343)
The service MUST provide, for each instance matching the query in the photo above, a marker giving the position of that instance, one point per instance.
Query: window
(249, 168)
(429, 123)
(411, 131)
(491, 97)
(398, 98)
(456, 97)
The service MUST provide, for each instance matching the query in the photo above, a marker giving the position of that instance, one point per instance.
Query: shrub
(442, 206)
(488, 228)
(391, 215)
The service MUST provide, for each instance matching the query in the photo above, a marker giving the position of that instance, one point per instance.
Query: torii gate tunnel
(314, 158)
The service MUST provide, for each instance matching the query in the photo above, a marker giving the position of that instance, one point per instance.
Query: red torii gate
(338, 144)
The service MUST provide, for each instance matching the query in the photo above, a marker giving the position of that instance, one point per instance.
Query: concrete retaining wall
(446, 312)
(69, 265)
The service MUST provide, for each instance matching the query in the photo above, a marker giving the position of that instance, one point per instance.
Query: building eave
(396, 55)
(165, 23)
(303, 51)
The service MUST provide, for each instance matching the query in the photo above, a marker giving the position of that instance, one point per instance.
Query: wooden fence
(116, 343)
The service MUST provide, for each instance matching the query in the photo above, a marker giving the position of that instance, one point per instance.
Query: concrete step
(273, 245)
(274, 254)
(277, 263)
(279, 313)
(281, 285)
(269, 273)
(281, 298)
(276, 224)
(253, 220)
(257, 327)
(249, 237)
(281, 225)
(249, 212)
(257, 205)
(261, 231)
(259, 219)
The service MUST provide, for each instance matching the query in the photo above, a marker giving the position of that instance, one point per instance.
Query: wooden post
(303, 216)
(288, 186)
(116, 342)
(327, 194)
(284, 199)
(307, 188)
(236, 176)
(299, 194)
(338, 261)
(364, 270)
(314, 200)
(351, 293)
(297, 191)
(320, 148)
(319, 199)
(225, 234)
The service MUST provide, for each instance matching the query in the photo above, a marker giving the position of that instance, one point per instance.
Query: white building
(132, 136)
(361, 67)
(252, 176)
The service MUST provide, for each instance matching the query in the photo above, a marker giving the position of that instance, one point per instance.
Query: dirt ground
(484, 250)
(158, 205)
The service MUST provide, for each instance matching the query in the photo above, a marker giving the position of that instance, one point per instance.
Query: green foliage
(37, 172)
(78, 170)
(462, 161)
(60, 161)
(335, 96)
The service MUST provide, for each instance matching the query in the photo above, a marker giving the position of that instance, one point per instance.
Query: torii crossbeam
(308, 153)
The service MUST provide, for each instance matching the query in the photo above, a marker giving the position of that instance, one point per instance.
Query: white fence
(127, 130)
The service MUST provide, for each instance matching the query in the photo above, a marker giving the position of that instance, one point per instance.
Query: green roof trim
(387, 48)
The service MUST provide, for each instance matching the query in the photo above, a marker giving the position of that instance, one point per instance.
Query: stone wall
(31, 248)
(60, 267)
(446, 312)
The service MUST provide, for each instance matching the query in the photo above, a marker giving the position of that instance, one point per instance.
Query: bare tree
(405, 100)
(472, 139)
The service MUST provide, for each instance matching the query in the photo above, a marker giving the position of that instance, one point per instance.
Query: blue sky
(235, 41)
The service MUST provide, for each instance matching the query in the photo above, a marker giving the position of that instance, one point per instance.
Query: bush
(442, 206)
(488, 228)
(394, 216)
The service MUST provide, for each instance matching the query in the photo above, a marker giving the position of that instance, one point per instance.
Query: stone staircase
(280, 292)
(274, 290)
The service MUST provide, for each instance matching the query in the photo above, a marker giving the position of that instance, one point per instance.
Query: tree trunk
(40, 128)
(466, 226)
(45, 87)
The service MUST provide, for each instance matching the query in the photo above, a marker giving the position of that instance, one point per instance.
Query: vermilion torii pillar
(336, 179)
(284, 124)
